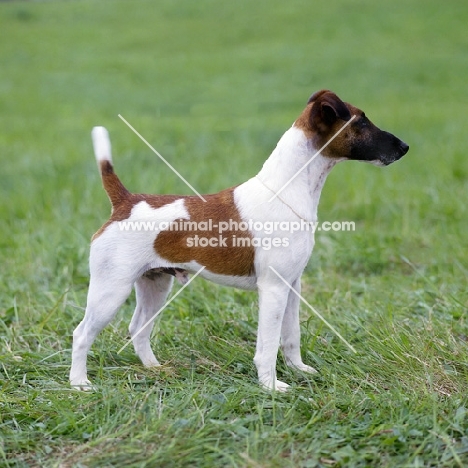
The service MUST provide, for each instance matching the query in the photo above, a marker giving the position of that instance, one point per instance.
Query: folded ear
(327, 109)
(316, 95)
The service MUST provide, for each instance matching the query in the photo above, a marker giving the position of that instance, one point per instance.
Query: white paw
(83, 385)
(277, 386)
(281, 386)
(146, 355)
(151, 363)
(305, 368)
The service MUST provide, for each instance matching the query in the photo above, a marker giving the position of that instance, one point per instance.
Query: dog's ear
(316, 95)
(327, 109)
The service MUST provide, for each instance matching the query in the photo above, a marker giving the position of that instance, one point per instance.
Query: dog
(286, 190)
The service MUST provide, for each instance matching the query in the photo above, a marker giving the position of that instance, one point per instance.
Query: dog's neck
(297, 173)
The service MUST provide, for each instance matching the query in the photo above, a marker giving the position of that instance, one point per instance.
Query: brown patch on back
(224, 260)
(173, 245)
(123, 210)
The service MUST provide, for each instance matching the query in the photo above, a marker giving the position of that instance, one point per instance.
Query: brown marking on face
(324, 130)
(229, 260)
(324, 116)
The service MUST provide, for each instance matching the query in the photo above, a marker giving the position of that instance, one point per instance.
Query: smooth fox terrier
(281, 192)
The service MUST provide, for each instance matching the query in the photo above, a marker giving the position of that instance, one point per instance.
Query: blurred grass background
(213, 85)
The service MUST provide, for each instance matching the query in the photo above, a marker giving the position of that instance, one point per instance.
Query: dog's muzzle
(400, 150)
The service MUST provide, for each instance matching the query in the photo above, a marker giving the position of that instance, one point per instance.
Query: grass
(213, 85)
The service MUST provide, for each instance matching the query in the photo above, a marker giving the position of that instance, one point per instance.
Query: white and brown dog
(149, 259)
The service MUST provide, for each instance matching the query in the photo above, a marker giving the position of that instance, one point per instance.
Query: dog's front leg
(291, 333)
(273, 297)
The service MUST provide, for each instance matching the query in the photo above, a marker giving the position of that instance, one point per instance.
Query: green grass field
(213, 85)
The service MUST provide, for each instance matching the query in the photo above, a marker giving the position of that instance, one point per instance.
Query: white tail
(101, 144)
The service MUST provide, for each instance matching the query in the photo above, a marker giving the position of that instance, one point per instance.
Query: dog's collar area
(282, 201)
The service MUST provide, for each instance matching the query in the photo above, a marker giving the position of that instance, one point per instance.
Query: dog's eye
(361, 123)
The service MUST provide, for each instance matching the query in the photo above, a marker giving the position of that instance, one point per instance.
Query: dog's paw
(300, 366)
(82, 385)
(150, 361)
(305, 368)
(152, 365)
(281, 386)
(277, 386)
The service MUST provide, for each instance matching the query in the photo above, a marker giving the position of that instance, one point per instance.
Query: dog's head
(344, 131)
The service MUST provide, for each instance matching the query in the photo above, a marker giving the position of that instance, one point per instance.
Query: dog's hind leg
(291, 333)
(106, 294)
(151, 293)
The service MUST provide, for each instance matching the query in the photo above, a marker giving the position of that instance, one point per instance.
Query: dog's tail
(116, 191)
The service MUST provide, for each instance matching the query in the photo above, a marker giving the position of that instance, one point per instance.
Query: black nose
(403, 148)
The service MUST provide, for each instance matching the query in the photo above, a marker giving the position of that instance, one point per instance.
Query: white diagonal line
(161, 309)
(312, 158)
(162, 159)
(313, 310)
